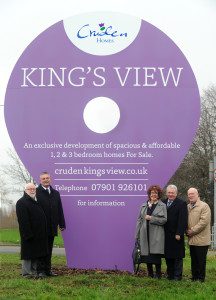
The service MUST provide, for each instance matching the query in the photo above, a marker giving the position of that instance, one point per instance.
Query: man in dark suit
(175, 228)
(33, 233)
(49, 199)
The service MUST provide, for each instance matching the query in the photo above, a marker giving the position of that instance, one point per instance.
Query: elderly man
(175, 229)
(199, 233)
(50, 201)
(33, 233)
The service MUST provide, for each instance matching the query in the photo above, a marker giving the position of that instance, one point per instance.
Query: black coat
(32, 227)
(52, 207)
(177, 218)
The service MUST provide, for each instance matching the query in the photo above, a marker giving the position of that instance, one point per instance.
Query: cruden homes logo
(102, 34)
(102, 27)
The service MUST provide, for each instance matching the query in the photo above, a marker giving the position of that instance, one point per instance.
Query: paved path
(56, 251)
(16, 249)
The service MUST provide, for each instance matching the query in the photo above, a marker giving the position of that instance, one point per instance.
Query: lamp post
(212, 177)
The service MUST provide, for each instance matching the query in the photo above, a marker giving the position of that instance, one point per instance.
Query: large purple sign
(109, 105)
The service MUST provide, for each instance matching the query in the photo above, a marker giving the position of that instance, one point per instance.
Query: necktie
(48, 191)
(169, 203)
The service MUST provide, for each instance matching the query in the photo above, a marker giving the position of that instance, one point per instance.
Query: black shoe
(177, 278)
(29, 276)
(41, 275)
(51, 274)
(194, 279)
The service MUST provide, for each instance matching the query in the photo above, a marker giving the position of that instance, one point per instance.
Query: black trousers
(151, 272)
(174, 268)
(40, 265)
(198, 262)
(48, 257)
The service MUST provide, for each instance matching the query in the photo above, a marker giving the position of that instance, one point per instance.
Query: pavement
(16, 249)
(56, 251)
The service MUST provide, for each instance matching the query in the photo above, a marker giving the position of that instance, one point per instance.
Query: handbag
(136, 255)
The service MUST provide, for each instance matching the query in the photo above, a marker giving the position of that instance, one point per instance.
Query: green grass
(11, 236)
(74, 284)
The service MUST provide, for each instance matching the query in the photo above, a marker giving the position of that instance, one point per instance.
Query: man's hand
(177, 237)
(190, 232)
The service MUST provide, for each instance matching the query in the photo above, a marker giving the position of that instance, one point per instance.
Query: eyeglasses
(31, 189)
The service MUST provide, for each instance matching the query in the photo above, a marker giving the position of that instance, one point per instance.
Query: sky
(191, 24)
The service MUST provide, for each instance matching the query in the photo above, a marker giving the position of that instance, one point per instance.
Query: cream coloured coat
(199, 220)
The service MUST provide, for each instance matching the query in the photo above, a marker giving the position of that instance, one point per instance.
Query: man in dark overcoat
(175, 228)
(33, 232)
(49, 199)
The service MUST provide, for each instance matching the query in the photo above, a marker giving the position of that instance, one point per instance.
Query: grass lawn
(84, 284)
(11, 236)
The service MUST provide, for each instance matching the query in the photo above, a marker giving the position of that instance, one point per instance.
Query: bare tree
(3, 191)
(13, 177)
(15, 169)
(194, 170)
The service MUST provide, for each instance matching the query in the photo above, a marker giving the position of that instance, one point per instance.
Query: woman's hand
(148, 218)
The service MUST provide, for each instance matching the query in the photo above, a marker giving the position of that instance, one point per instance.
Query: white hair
(192, 189)
(173, 187)
(27, 185)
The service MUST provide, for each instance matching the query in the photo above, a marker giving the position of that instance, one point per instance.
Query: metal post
(214, 202)
(211, 170)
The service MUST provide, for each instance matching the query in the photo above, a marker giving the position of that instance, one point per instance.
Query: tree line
(194, 170)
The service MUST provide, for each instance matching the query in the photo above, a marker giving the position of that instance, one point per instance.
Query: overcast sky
(191, 24)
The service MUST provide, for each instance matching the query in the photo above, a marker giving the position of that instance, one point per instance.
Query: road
(16, 249)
